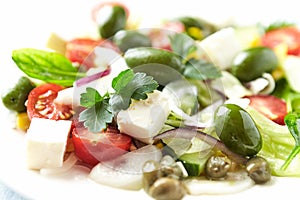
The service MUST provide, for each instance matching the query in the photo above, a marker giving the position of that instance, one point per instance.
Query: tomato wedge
(80, 50)
(272, 107)
(41, 103)
(92, 148)
(289, 36)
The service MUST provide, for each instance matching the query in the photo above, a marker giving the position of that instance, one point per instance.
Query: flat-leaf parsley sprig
(100, 110)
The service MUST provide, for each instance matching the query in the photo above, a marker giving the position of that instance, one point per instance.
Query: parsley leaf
(201, 70)
(98, 112)
(129, 85)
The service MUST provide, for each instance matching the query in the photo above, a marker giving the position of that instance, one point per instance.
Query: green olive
(165, 66)
(112, 18)
(217, 167)
(237, 130)
(258, 170)
(130, 39)
(252, 63)
(14, 99)
(197, 28)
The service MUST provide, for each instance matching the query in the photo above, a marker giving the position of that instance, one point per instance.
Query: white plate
(28, 23)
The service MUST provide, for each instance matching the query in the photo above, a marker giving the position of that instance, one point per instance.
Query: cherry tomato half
(289, 36)
(92, 148)
(41, 103)
(272, 107)
(80, 50)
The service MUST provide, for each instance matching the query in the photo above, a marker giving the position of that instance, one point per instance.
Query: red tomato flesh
(289, 36)
(272, 107)
(80, 50)
(41, 104)
(92, 148)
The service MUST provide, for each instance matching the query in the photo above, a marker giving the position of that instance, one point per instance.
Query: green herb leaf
(182, 45)
(292, 120)
(90, 98)
(46, 66)
(201, 70)
(278, 25)
(129, 85)
(98, 113)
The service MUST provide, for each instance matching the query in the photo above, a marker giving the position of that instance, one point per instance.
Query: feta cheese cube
(221, 47)
(46, 143)
(145, 118)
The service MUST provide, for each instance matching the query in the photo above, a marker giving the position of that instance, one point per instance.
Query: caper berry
(151, 172)
(166, 188)
(258, 169)
(217, 167)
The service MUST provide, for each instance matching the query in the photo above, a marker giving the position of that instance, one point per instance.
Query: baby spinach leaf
(47, 66)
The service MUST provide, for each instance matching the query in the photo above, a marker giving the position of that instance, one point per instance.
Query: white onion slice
(218, 187)
(67, 165)
(125, 172)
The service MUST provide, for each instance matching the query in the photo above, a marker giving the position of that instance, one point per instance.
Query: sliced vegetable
(272, 107)
(47, 66)
(289, 36)
(92, 148)
(41, 103)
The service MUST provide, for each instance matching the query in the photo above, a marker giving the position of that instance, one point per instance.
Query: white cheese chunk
(145, 118)
(221, 47)
(46, 143)
(291, 68)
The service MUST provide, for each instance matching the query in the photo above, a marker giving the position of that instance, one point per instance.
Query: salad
(170, 110)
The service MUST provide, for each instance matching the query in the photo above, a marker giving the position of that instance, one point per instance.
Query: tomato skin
(80, 50)
(289, 36)
(41, 104)
(92, 148)
(271, 106)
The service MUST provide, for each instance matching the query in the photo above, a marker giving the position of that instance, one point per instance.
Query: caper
(166, 188)
(258, 170)
(151, 172)
(169, 168)
(217, 167)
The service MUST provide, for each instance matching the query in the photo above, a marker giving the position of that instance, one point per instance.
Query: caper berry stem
(189, 134)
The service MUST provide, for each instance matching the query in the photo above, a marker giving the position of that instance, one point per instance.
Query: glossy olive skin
(252, 63)
(112, 20)
(237, 130)
(14, 99)
(130, 39)
(146, 55)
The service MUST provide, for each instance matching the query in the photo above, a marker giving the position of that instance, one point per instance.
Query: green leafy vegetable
(201, 70)
(47, 66)
(277, 144)
(292, 120)
(129, 85)
(98, 112)
(195, 68)
(183, 45)
(278, 25)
